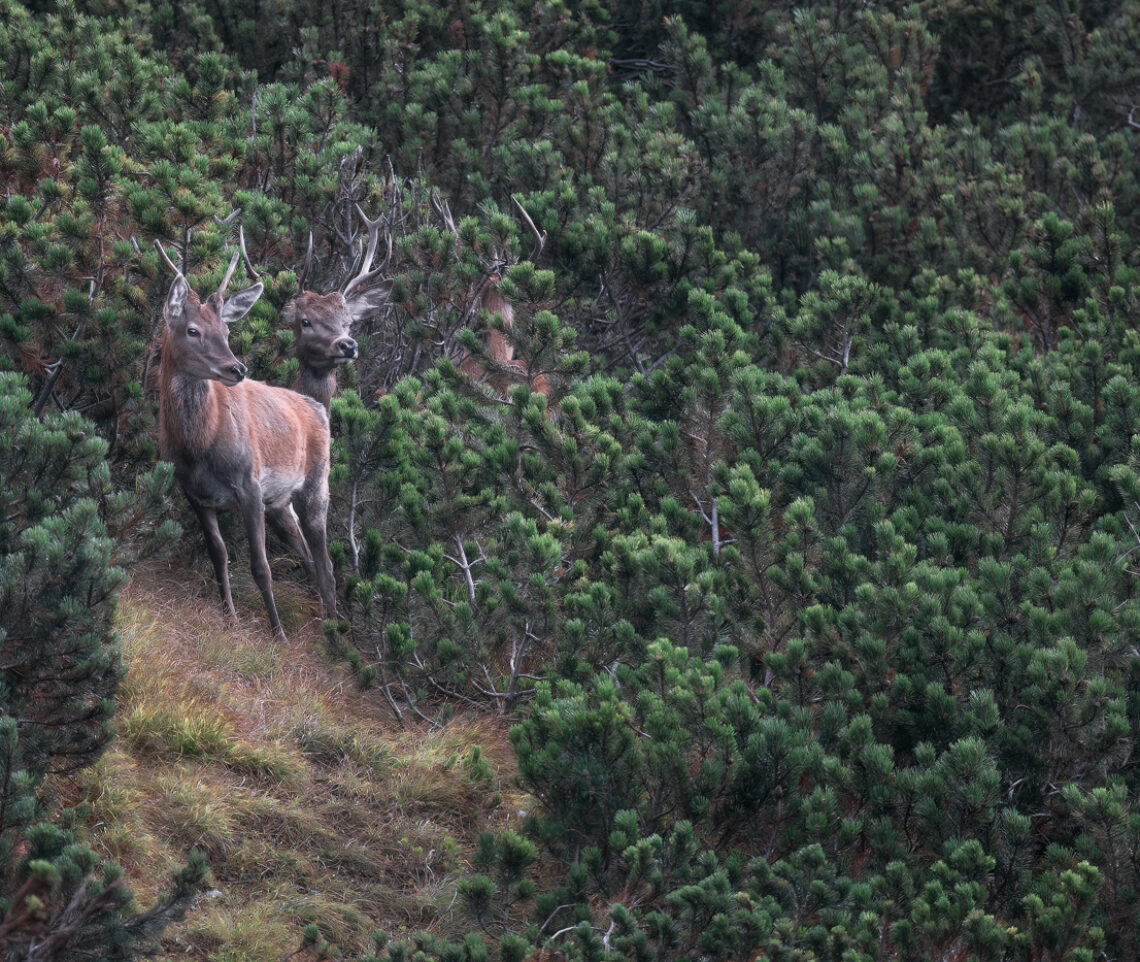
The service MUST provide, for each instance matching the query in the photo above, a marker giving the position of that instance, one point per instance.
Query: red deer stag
(241, 443)
(322, 322)
(503, 369)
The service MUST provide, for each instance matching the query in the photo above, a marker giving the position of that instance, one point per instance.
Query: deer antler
(225, 222)
(304, 275)
(158, 246)
(366, 272)
(221, 222)
(539, 238)
(444, 211)
(221, 292)
(245, 256)
(229, 218)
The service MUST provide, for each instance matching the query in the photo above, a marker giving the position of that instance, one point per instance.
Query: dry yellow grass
(313, 805)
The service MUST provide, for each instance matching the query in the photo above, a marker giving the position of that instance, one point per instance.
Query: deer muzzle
(233, 374)
(347, 348)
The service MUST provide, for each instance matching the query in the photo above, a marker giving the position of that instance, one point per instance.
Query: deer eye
(305, 322)
(192, 332)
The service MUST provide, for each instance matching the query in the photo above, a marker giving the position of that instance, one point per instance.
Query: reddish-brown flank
(506, 370)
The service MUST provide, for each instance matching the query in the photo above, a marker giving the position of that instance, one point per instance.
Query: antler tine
(166, 258)
(228, 219)
(304, 276)
(539, 238)
(444, 211)
(375, 224)
(366, 272)
(221, 292)
(245, 256)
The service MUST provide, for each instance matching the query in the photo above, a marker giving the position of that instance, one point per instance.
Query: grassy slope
(313, 805)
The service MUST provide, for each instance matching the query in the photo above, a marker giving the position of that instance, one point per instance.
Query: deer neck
(319, 384)
(190, 410)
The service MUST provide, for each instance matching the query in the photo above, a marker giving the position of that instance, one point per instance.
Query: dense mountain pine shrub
(59, 577)
(808, 582)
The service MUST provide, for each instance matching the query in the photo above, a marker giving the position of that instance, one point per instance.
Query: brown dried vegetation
(312, 806)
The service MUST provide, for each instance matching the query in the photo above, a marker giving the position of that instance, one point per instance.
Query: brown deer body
(505, 369)
(243, 444)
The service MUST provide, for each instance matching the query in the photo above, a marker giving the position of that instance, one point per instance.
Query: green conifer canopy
(798, 537)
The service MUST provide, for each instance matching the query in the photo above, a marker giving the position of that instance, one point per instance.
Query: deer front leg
(216, 547)
(253, 512)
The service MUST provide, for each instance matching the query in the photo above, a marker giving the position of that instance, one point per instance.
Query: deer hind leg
(312, 512)
(208, 519)
(283, 521)
(253, 512)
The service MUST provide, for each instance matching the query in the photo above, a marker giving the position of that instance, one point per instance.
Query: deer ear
(238, 305)
(175, 305)
(362, 304)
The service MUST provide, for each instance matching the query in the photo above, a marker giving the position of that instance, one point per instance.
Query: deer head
(322, 322)
(197, 332)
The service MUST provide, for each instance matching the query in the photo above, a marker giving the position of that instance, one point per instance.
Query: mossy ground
(311, 801)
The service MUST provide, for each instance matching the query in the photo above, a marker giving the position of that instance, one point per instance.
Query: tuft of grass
(185, 727)
(292, 823)
(117, 799)
(247, 661)
(111, 790)
(272, 760)
(342, 925)
(192, 729)
(228, 929)
(256, 862)
(449, 771)
(336, 745)
(191, 814)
